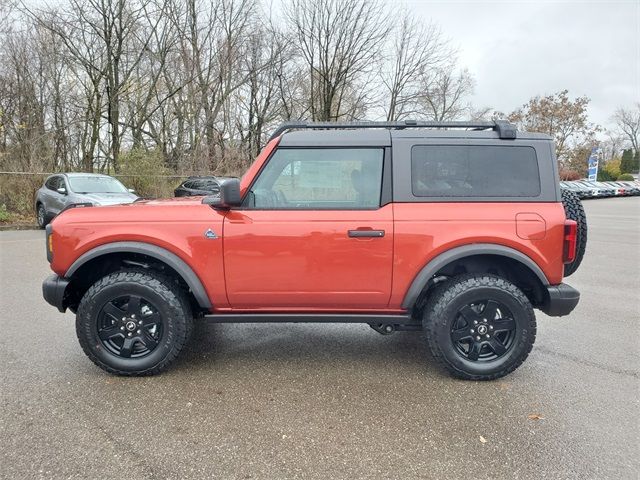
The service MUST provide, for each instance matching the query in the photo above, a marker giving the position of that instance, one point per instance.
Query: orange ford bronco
(459, 230)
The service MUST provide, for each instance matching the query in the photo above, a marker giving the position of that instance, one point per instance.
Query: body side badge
(210, 234)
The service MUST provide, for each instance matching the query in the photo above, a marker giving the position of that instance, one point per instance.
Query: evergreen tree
(635, 165)
(626, 165)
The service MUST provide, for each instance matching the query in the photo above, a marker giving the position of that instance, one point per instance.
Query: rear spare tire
(573, 210)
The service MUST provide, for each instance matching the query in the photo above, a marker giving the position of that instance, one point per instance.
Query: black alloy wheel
(130, 326)
(483, 331)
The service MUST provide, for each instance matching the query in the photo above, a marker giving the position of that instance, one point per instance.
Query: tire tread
(574, 210)
(163, 285)
(433, 319)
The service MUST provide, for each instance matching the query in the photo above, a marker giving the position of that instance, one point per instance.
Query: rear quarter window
(474, 171)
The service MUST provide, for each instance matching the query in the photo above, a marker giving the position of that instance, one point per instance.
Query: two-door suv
(456, 229)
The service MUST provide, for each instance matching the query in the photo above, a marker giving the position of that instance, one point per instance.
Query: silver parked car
(64, 189)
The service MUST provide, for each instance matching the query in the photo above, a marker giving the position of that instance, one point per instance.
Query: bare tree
(148, 94)
(444, 93)
(85, 56)
(34, 111)
(22, 105)
(628, 121)
(109, 39)
(259, 101)
(612, 145)
(339, 42)
(212, 43)
(416, 48)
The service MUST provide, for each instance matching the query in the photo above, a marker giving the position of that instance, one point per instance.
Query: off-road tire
(573, 210)
(167, 296)
(41, 216)
(441, 311)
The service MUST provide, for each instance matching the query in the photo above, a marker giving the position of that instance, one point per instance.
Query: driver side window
(53, 183)
(319, 179)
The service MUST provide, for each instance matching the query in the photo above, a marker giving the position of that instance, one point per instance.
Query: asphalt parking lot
(329, 401)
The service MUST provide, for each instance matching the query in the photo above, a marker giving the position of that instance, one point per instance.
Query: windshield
(96, 185)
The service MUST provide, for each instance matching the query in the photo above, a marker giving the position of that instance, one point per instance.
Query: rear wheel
(133, 322)
(479, 327)
(574, 210)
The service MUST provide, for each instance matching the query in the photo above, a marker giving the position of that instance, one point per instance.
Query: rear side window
(474, 171)
(207, 184)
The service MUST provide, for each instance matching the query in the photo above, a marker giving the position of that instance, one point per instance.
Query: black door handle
(366, 233)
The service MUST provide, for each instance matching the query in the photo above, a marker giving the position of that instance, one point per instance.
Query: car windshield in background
(96, 185)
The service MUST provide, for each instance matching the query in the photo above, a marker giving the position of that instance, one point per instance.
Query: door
(59, 200)
(53, 201)
(312, 233)
(46, 194)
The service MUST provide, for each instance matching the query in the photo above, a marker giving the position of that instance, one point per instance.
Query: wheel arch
(115, 254)
(476, 257)
(37, 203)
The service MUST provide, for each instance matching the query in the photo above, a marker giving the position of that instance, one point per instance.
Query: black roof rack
(505, 129)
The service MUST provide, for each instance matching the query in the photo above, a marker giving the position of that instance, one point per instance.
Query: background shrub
(4, 215)
(609, 171)
(605, 176)
(17, 192)
(569, 175)
(626, 177)
(145, 172)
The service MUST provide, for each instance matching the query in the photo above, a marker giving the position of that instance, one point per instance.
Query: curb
(5, 228)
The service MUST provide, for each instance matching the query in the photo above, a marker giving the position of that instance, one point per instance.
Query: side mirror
(62, 190)
(228, 197)
(131, 190)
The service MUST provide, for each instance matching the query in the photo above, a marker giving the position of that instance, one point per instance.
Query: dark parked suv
(197, 186)
(459, 230)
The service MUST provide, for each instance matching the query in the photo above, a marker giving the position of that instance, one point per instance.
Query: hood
(173, 210)
(108, 198)
(193, 200)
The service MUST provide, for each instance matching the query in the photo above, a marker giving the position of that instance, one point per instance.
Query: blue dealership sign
(593, 163)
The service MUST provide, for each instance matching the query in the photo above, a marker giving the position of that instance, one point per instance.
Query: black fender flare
(431, 268)
(159, 253)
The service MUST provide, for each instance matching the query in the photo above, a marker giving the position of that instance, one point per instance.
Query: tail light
(570, 241)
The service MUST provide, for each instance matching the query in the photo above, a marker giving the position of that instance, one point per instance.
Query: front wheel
(133, 322)
(41, 216)
(479, 327)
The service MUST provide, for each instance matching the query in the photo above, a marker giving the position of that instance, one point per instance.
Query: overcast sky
(517, 49)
